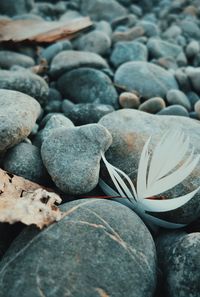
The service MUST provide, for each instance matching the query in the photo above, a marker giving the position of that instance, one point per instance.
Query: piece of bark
(41, 31)
(24, 201)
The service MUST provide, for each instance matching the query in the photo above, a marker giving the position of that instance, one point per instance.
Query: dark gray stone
(24, 160)
(178, 97)
(55, 121)
(8, 59)
(130, 129)
(87, 113)
(96, 41)
(87, 85)
(193, 97)
(18, 113)
(97, 249)
(102, 9)
(153, 105)
(159, 48)
(10, 7)
(68, 60)
(148, 79)
(178, 255)
(26, 82)
(174, 110)
(76, 154)
(128, 51)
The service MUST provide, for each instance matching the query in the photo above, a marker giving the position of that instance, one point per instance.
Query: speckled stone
(153, 105)
(129, 100)
(97, 242)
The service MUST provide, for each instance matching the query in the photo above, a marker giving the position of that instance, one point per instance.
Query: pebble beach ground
(133, 75)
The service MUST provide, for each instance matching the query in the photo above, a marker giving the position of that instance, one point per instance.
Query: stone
(193, 97)
(69, 60)
(126, 51)
(178, 97)
(172, 32)
(82, 245)
(70, 15)
(174, 110)
(181, 60)
(76, 153)
(54, 122)
(146, 78)
(192, 49)
(102, 9)
(190, 29)
(153, 105)
(194, 77)
(8, 59)
(130, 129)
(96, 42)
(136, 9)
(178, 255)
(87, 113)
(67, 106)
(159, 48)
(150, 28)
(53, 106)
(129, 100)
(128, 35)
(52, 50)
(105, 27)
(87, 85)
(26, 82)
(18, 113)
(197, 108)
(25, 160)
(11, 8)
(183, 80)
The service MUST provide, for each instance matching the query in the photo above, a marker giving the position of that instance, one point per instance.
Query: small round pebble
(129, 100)
(153, 105)
(175, 110)
(178, 97)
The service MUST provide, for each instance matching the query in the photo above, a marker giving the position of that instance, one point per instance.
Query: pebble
(52, 50)
(126, 51)
(194, 77)
(70, 15)
(153, 105)
(66, 106)
(129, 100)
(183, 80)
(130, 129)
(68, 60)
(24, 160)
(55, 121)
(192, 49)
(11, 8)
(87, 113)
(172, 32)
(105, 27)
(193, 98)
(82, 245)
(96, 42)
(159, 48)
(158, 81)
(178, 255)
(179, 98)
(87, 85)
(76, 153)
(150, 28)
(128, 35)
(18, 113)
(8, 59)
(190, 29)
(175, 110)
(26, 82)
(102, 9)
(197, 108)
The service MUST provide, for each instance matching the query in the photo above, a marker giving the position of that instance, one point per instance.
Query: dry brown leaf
(41, 31)
(24, 201)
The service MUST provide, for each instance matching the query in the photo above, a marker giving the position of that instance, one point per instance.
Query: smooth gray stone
(8, 59)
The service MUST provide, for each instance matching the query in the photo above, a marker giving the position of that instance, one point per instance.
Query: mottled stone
(97, 249)
(26, 82)
(159, 48)
(153, 105)
(8, 59)
(76, 154)
(87, 85)
(128, 51)
(178, 255)
(24, 160)
(68, 60)
(146, 78)
(18, 113)
(174, 110)
(102, 9)
(128, 35)
(130, 129)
